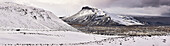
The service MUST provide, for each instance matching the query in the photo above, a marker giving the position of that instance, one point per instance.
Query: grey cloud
(152, 7)
(128, 3)
(156, 7)
(166, 13)
(156, 3)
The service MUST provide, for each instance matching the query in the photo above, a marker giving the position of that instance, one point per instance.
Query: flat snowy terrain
(134, 41)
(47, 37)
(69, 38)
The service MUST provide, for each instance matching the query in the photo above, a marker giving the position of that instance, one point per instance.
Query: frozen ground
(47, 37)
(69, 38)
(134, 41)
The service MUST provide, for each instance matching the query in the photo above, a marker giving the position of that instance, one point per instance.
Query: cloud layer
(131, 7)
(140, 7)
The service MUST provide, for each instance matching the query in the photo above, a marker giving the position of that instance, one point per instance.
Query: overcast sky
(130, 7)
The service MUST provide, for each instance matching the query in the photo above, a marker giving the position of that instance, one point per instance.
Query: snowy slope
(89, 15)
(125, 20)
(14, 15)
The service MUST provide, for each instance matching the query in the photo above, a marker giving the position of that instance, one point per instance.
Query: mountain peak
(87, 7)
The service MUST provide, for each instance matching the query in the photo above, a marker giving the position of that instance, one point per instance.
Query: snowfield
(47, 37)
(134, 41)
(70, 38)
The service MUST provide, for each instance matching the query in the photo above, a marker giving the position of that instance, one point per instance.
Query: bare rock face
(14, 15)
(96, 17)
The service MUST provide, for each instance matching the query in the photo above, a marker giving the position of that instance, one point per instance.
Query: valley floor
(133, 41)
(73, 38)
(39, 37)
(126, 30)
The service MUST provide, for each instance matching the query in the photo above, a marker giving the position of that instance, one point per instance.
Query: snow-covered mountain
(94, 16)
(14, 15)
(90, 16)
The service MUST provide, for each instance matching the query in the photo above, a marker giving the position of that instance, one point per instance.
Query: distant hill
(154, 20)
